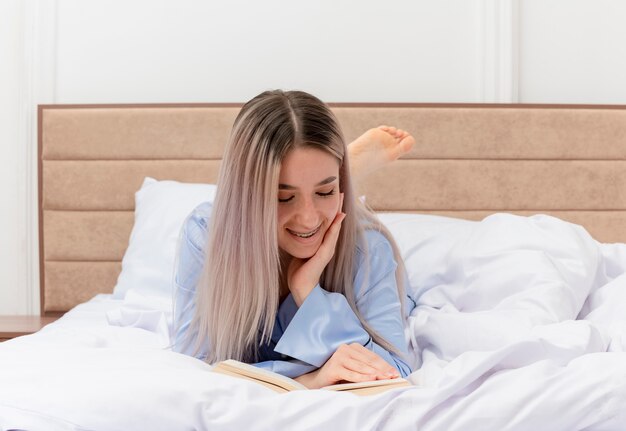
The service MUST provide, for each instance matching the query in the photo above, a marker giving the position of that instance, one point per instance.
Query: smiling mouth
(306, 234)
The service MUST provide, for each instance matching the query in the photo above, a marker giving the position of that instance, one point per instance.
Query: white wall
(573, 51)
(196, 51)
(12, 251)
(117, 51)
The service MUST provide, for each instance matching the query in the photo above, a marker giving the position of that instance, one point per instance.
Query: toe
(407, 143)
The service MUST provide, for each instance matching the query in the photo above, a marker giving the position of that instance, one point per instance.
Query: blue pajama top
(304, 338)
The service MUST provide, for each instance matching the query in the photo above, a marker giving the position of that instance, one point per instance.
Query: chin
(300, 252)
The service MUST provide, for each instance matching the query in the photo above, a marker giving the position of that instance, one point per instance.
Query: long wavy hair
(237, 296)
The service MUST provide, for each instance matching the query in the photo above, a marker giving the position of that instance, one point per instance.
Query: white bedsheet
(520, 324)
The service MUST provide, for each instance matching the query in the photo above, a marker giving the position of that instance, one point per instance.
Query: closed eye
(321, 194)
(330, 193)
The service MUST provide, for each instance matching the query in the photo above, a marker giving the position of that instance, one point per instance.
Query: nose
(307, 214)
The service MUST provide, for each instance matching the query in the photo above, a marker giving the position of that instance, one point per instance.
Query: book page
(373, 390)
(397, 382)
(269, 385)
(237, 368)
(280, 383)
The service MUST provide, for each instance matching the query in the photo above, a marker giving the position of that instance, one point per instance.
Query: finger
(363, 354)
(327, 249)
(353, 376)
(336, 224)
(359, 367)
(376, 361)
(332, 235)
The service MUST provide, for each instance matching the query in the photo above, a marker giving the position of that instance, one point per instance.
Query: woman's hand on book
(350, 363)
(304, 274)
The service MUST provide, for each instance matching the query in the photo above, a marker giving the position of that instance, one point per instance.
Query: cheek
(283, 216)
(329, 208)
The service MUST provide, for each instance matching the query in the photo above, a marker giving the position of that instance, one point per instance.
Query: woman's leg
(376, 148)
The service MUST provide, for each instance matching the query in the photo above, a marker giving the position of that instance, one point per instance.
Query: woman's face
(308, 200)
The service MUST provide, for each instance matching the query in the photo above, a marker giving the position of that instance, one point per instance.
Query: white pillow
(482, 285)
(425, 242)
(161, 208)
(441, 251)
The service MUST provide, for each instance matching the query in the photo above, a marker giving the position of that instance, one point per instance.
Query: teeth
(305, 235)
(308, 235)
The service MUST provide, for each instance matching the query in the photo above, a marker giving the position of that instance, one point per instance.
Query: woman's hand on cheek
(304, 274)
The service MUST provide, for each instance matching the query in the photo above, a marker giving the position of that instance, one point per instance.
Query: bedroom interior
(509, 211)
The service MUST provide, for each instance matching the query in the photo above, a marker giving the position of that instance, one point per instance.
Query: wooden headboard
(469, 161)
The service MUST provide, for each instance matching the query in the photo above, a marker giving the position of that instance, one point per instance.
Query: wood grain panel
(111, 185)
(86, 235)
(603, 226)
(421, 185)
(469, 161)
(136, 133)
(503, 132)
(71, 283)
(441, 131)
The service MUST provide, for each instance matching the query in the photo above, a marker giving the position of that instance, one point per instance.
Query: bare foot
(376, 148)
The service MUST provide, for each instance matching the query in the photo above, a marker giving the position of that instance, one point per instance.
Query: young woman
(287, 268)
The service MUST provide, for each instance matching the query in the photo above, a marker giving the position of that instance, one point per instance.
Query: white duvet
(520, 325)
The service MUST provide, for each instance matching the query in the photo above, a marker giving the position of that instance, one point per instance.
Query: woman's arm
(189, 262)
(325, 322)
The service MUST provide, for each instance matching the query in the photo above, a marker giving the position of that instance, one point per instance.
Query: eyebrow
(321, 183)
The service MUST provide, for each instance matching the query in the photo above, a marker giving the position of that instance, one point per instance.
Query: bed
(510, 218)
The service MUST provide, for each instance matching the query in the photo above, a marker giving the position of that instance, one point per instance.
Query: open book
(280, 383)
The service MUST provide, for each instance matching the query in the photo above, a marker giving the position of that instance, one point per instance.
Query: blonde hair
(237, 296)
